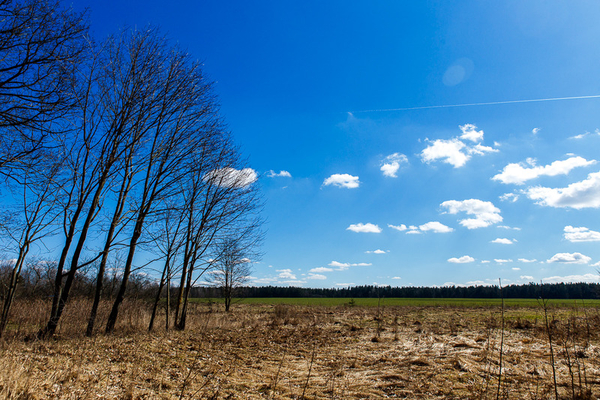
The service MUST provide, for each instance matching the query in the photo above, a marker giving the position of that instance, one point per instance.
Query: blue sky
(360, 190)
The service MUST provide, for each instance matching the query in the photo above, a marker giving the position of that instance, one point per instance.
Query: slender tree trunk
(114, 313)
(12, 288)
(157, 298)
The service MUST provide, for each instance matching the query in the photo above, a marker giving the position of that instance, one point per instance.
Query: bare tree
(34, 213)
(184, 125)
(40, 44)
(232, 267)
(225, 201)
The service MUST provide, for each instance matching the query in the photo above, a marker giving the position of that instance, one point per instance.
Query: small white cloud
(508, 227)
(391, 164)
(316, 276)
(578, 195)
(344, 266)
(448, 151)
(502, 241)
(231, 177)
(580, 136)
(518, 173)
(345, 284)
(364, 228)
(502, 261)
(282, 174)
(378, 251)
(396, 277)
(528, 277)
(512, 197)
(485, 261)
(569, 258)
(343, 181)
(581, 234)
(485, 212)
(470, 132)
(286, 274)
(461, 260)
(516, 269)
(321, 270)
(400, 228)
(525, 260)
(436, 227)
(572, 278)
(535, 131)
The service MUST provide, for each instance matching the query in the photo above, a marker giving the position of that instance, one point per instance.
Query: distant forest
(527, 291)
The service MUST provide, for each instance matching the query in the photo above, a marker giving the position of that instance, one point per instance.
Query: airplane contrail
(595, 96)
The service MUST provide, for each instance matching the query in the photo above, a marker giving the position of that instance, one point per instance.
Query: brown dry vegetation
(292, 352)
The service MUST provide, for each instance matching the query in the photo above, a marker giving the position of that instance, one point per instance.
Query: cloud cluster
(578, 195)
(569, 258)
(485, 212)
(503, 241)
(432, 226)
(581, 234)
(364, 228)
(461, 260)
(391, 164)
(378, 251)
(519, 173)
(282, 174)
(455, 151)
(344, 266)
(343, 181)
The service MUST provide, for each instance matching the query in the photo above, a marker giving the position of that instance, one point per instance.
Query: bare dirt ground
(290, 352)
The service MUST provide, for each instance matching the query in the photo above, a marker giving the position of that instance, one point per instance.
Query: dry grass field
(310, 352)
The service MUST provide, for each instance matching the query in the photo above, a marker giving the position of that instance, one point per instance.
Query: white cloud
(461, 260)
(480, 150)
(508, 227)
(391, 164)
(502, 241)
(512, 197)
(345, 284)
(572, 278)
(396, 277)
(365, 228)
(524, 260)
(436, 227)
(528, 277)
(231, 177)
(344, 266)
(286, 274)
(502, 261)
(449, 151)
(569, 258)
(516, 269)
(485, 212)
(518, 173)
(471, 133)
(581, 234)
(283, 174)
(378, 251)
(535, 131)
(343, 181)
(316, 276)
(454, 151)
(580, 136)
(596, 264)
(321, 270)
(400, 228)
(577, 195)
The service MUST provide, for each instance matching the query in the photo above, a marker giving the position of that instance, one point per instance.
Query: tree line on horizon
(526, 291)
(114, 162)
